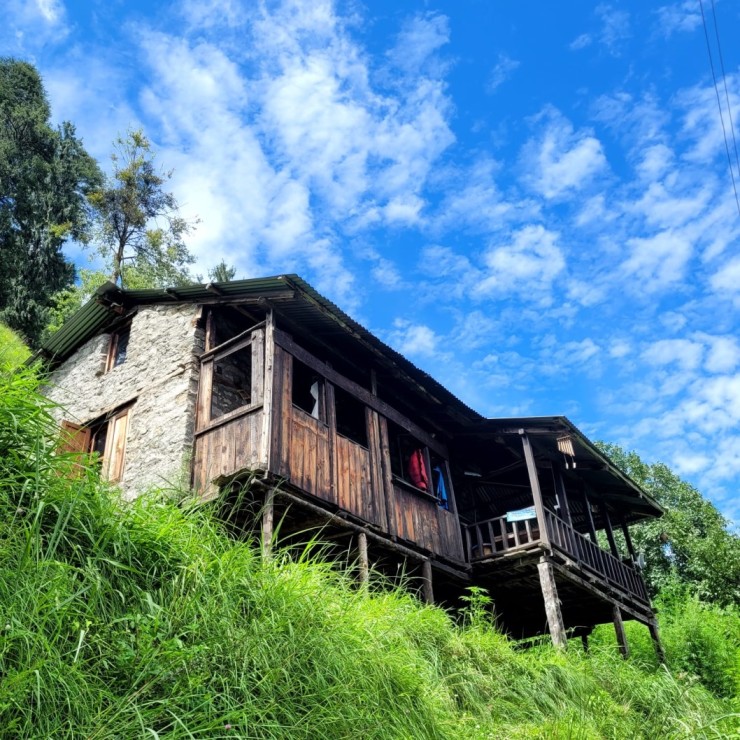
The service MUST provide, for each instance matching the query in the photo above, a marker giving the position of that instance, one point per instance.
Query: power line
(719, 105)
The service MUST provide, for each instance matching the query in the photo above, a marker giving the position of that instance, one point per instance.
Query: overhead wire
(719, 102)
(724, 81)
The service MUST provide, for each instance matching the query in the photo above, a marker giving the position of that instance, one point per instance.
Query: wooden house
(267, 380)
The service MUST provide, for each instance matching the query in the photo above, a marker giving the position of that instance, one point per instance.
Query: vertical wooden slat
(267, 399)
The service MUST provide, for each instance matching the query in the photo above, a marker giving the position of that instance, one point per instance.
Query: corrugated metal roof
(298, 300)
(303, 305)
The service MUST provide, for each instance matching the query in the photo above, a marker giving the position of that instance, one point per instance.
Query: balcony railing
(498, 537)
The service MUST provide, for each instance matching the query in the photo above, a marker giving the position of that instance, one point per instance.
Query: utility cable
(719, 105)
(724, 81)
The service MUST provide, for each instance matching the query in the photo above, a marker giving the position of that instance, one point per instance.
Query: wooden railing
(589, 555)
(497, 537)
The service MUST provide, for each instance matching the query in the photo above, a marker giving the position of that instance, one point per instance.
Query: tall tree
(140, 233)
(691, 545)
(222, 273)
(45, 176)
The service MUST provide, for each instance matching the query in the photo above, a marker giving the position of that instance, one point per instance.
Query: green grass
(148, 620)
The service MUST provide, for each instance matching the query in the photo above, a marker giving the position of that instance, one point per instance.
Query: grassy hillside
(147, 620)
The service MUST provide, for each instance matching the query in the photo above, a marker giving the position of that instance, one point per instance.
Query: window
(105, 436)
(308, 390)
(408, 458)
(411, 461)
(351, 418)
(118, 347)
(232, 382)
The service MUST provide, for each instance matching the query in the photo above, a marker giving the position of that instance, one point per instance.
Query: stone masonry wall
(160, 377)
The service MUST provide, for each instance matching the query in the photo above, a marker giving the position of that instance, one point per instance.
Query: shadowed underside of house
(336, 430)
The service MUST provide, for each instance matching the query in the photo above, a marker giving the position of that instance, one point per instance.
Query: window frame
(113, 345)
(80, 439)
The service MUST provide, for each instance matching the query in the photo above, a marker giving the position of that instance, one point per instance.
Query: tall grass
(148, 620)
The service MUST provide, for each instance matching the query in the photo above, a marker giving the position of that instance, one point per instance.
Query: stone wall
(160, 378)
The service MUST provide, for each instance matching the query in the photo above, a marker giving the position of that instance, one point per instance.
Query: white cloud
(682, 17)
(504, 69)
(414, 340)
(417, 43)
(559, 160)
(527, 265)
(727, 278)
(657, 262)
(581, 42)
(685, 353)
(614, 28)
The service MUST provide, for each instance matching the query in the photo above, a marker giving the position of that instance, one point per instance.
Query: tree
(140, 233)
(45, 176)
(222, 273)
(691, 545)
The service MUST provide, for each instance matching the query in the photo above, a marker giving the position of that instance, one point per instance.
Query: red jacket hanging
(418, 470)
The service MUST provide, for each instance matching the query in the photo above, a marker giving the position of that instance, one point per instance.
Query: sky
(532, 201)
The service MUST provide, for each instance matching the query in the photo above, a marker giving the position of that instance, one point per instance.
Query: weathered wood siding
(227, 448)
(352, 473)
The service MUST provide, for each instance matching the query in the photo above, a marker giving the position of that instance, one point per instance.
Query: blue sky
(532, 201)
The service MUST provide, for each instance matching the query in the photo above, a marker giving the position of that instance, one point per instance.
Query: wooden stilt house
(267, 380)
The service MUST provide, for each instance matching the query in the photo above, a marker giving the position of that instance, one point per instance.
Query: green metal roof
(303, 305)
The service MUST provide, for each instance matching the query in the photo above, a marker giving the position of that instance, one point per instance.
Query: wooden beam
(552, 604)
(562, 495)
(628, 539)
(536, 491)
(655, 634)
(363, 559)
(268, 514)
(621, 634)
(267, 399)
(589, 516)
(609, 530)
(427, 588)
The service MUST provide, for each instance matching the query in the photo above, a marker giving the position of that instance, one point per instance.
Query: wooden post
(363, 559)
(426, 574)
(609, 530)
(562, 495)
(621, 635)
(267, 401)
(552, 604)
(536, 492)
(268, 514)
(655, 634)
(589, 516)
(628, 539)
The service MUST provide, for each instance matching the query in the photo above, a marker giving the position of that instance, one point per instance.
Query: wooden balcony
(497, 538)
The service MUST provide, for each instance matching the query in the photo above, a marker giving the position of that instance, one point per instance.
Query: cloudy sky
(531, 200)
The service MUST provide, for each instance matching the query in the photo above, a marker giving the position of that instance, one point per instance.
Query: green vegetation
(690, 548)
(148, 620)
(13, 350)
(45, 177)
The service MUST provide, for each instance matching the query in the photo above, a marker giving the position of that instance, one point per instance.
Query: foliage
(701, 641)
(13, 350)
(138, 221)
(45, 175)
(147, 620)
(691, 544)
(222, 273)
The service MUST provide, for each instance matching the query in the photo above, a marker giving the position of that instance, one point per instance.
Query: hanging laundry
(439, 487)
(418, 470)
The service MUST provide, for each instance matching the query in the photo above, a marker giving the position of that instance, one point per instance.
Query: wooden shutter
(115, 446)
(75, 440)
